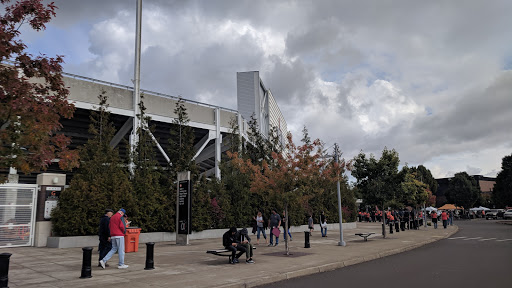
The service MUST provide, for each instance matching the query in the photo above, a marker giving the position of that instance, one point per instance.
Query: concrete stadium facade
(211, 123)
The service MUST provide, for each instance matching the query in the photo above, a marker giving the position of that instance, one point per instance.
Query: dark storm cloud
(289, 82)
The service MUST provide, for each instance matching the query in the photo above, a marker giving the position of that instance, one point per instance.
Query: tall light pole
(336, 156)
(134, 139)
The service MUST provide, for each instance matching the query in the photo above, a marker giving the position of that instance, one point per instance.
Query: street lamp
(336, 156)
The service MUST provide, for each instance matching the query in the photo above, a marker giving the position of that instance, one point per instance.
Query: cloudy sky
(431, 79)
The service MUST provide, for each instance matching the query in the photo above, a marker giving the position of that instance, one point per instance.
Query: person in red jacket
(117, 231)
(434, 218)
(444, 217)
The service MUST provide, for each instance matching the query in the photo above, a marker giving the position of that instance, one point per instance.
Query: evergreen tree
(181, 143)
(257, 149)
(155, 206)
(201, 206)
(101, 182)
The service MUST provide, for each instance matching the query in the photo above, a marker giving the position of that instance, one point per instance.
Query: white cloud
(422, 77)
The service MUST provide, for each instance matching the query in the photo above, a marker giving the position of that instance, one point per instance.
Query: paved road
(479, 255)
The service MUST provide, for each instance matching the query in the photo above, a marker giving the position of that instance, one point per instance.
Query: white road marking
(456, 238)
(503, 240)
(487, 239)
(472, 238)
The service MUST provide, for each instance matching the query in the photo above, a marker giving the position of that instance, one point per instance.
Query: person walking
(261, 226)
(104, 235)
(391, 219)
(444, 217)
(274, 222)
(323, 224)
(117, 231)
(397, 221)
(310, 224)
(434, 218)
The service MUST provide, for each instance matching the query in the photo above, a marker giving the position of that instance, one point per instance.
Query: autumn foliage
(33, 97)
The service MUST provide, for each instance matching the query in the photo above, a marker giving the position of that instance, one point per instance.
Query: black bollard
(86, 263)
(150, 248)
(4, 269)
(306, 239)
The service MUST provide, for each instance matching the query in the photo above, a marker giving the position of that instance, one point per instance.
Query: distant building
(254, 98)
(485, 185)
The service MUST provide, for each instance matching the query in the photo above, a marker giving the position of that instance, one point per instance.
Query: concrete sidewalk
(190, 266)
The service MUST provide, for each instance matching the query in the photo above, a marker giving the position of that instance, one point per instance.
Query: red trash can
(131, 239)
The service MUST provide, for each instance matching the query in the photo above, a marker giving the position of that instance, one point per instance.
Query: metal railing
(130, 88)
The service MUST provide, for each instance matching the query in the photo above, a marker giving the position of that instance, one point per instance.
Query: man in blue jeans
(117, 231)
(274, 222)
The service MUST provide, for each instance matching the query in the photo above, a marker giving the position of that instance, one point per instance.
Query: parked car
(507, 214)
(491, 214)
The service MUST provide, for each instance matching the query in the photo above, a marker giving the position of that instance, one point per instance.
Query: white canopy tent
(479, 209)
(430, 209)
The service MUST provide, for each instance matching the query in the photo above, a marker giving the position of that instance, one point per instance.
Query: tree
(181, 143)
(462, 190)
(153, 200)
(377, 180)
(30, 110)
(502, 192)
(288, 180)
(424, 175)
(257, 148)
(102, 181)
(414, 192)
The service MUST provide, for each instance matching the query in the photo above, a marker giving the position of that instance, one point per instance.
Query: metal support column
(218, 143)
(136, 81)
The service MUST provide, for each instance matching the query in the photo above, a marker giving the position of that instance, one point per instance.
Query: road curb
(335, 265)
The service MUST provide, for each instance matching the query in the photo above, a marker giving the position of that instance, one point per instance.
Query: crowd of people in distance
(405, 218)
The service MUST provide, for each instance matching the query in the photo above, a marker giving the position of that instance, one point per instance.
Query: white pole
(136, 81)
(336, 155)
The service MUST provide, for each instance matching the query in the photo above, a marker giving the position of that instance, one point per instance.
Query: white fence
(17, 214)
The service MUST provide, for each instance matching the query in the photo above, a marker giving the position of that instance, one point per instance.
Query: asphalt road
(478, 255)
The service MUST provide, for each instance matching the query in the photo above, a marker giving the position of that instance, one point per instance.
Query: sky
(430, 79)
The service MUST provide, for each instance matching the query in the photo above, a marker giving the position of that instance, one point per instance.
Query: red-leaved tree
(33, 96)
(293, 177)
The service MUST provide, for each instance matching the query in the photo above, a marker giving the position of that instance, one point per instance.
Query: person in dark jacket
(104, 234)
(245, 241)
(230, 242)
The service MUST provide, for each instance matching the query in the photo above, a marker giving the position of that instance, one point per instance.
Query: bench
(223, 252)
(365, 235)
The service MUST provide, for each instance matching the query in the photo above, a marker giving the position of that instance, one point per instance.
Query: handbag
(324, 225)
(276, 231)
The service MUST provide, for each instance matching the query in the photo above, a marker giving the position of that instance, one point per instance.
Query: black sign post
(184, 207)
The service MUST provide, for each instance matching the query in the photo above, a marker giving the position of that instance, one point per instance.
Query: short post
(150, 249)
(86, 263)
(306, 239)
(4, 269)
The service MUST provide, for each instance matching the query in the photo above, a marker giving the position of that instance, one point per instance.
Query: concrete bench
(365, 235)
